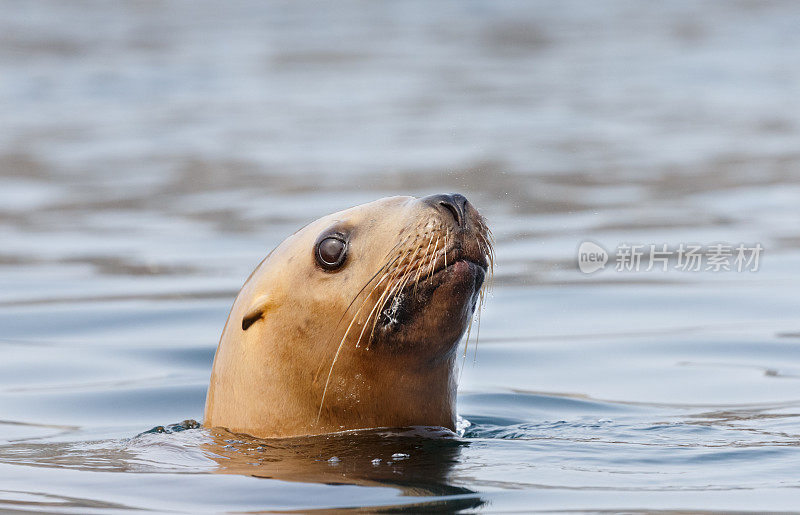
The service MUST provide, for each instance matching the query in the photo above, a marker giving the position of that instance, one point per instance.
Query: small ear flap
(256, 312)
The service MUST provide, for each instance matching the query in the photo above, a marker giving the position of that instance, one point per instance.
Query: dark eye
(331, 252)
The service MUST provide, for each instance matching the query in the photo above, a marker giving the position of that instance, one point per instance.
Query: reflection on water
(416, 461)
(152, 153)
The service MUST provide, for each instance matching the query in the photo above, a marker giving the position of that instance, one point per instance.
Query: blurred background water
(151, 153)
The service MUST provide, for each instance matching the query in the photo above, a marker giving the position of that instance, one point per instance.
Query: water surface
(152, 153)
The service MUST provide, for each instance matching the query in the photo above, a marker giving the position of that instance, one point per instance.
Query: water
(152, 153)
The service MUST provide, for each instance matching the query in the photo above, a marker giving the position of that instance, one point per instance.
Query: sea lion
(353, 322)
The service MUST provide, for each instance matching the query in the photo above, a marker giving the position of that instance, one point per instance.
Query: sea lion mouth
(472, 254)
(462, 276)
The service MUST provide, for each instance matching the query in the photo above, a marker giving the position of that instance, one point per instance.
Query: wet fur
(384, 358)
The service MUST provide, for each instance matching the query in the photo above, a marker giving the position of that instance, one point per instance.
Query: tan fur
(270, 379)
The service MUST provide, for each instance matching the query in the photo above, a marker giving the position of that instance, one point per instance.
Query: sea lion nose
(454, 203)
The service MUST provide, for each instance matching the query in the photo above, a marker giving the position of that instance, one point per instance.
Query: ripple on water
(136, 196)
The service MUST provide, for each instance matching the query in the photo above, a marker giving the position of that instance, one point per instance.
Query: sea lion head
(353, 321)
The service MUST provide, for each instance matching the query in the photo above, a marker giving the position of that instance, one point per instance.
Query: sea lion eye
(331, 252)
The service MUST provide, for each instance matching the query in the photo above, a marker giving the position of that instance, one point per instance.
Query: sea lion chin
(353, 322)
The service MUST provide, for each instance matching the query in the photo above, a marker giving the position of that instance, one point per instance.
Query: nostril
(460, 201)
(456, 204)
(450, 206)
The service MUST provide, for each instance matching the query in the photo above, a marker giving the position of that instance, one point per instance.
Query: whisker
(397, 273)
(466, 345)
(335, 358)
(433, 258)
(377, 313)
(355, 316)
(419, 269)
(366, 322)
(478, 332)
(397, 286)
(319, 369)
(488, 249)
(446, 237)
(389, 263)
